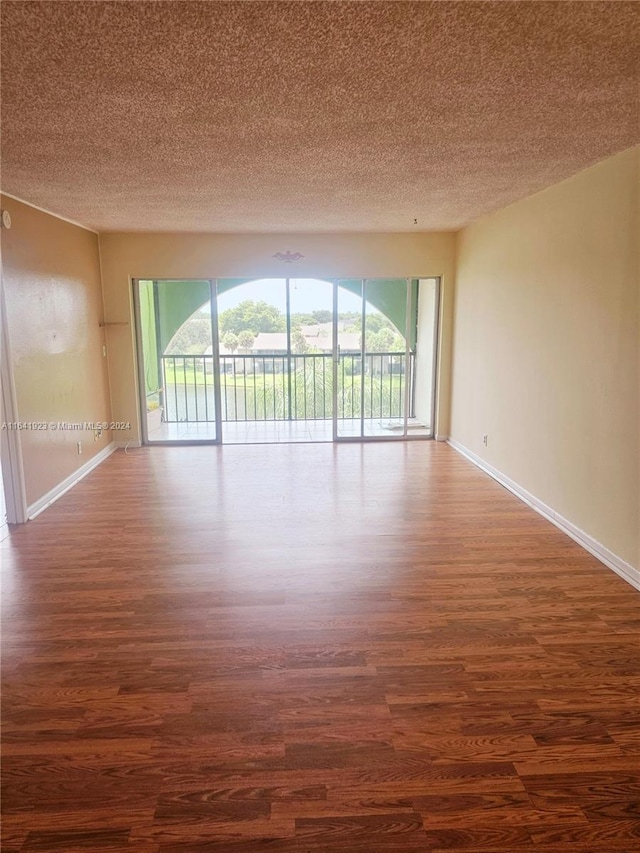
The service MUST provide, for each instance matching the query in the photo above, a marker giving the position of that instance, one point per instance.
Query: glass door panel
(311, 360)
(275, 365)
(348, 358)
(254, 362)
(373, 358)
(385, 373)
(176, 345)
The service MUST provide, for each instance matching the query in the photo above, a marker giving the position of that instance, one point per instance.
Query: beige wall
(129, 256)
(546, 348)
(51, 274)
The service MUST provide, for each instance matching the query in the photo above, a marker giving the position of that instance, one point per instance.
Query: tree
(398, 344)
(377, 322)
(230, 341)
(299, 343)
(245, 339)
(193, 337)
(381, 341)
(322, 316)
(302, 319)
(252, 316)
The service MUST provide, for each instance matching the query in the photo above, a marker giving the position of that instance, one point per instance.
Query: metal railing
(282, 387)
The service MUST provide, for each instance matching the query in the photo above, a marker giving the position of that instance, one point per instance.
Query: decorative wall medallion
(288, 257)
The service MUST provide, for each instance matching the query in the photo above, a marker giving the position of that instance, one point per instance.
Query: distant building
(319, 340)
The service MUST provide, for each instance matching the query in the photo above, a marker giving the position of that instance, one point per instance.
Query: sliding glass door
(311, 359)
(276, 339)
(285, 360)
(384, 358)
(178, 362)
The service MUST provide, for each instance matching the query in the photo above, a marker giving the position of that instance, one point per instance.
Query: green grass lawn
(312, 397)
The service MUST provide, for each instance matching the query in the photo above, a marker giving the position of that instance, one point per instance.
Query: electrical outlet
(484, 439)
(79, 448)
(97, 433)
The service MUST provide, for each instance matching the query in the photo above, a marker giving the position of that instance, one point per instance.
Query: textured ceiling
(308, 116)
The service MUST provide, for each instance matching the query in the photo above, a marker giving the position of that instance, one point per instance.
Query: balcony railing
(281, 387)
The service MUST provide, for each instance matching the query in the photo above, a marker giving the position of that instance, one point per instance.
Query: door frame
(215, 350)
(404, 436)
(336, 438)
(12, 481)
(435, 364)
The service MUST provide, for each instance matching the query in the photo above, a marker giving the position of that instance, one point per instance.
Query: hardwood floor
(312, 649)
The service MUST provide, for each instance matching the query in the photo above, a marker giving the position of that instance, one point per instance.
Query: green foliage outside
(265, 396)
(192, 338)
(252, 317)
(299, 343)
(245, 339)
(239, 327)
(230, 341)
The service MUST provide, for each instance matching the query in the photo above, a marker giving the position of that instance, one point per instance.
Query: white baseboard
(442, 437)
(68, 483)
(611, 560)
